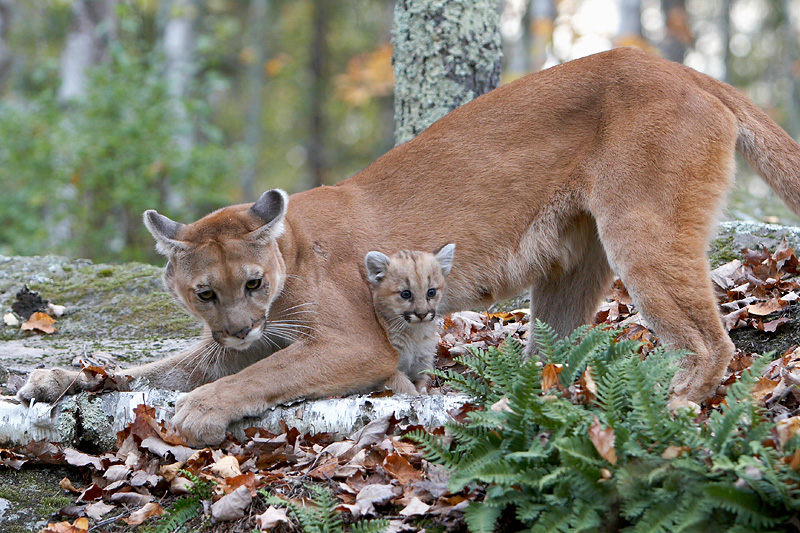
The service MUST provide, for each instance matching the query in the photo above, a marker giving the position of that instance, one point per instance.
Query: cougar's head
(408, 286)
(226, 268)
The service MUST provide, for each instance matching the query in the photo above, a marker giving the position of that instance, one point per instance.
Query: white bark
(96, 418)
(5, 54)
(93, 25)
(178, 54)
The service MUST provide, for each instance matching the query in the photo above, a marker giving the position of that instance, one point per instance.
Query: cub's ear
(163, 231)
(376, 264)
(445, 257)
(270, 210)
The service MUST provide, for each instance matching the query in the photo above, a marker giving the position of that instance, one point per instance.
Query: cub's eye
(253, 284)
(431, 293)
(206, 295)
(405, 295)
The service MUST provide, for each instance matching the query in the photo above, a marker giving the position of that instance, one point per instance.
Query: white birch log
(95, 419)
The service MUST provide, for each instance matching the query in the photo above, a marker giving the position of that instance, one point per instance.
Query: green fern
(186, 508)
(321, 516)
(535, 456)
(179, 513)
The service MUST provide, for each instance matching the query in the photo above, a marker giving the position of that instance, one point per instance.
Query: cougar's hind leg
(567, 295)
(663, 264)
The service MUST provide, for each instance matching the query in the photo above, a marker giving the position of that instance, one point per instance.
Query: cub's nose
(242, 333)
(421, 316)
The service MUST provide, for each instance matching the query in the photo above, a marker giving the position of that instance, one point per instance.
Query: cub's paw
(48, 384)
(203, 415)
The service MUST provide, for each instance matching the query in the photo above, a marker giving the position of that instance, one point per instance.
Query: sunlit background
(111, 107)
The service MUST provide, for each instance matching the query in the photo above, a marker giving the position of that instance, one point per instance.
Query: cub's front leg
(184, 372)
(49, 384)
(331, 364)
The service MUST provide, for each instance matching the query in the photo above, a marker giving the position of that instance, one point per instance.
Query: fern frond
(481, 518)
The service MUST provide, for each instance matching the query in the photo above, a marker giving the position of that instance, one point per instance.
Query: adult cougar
(614, 162)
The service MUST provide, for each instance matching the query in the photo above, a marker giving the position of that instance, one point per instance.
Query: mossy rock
(31, 496)
(121, 310)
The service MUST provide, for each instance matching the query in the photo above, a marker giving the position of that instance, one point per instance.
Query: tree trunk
(446, 52)
(542, 22)
(678, 36)
(317, 156)
(630, 23)
(6, 13)
(95, 419)
(93, 27)
(255, 75)
(178, 55)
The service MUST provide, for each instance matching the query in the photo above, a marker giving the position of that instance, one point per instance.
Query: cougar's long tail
(767, 147)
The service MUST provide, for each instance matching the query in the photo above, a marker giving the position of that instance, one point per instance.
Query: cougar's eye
(405, 295)
(253, 284)
(431, 293)
(206, 295)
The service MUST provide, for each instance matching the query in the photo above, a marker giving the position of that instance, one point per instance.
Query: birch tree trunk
(255, 78)
(6, 13)
(317, 154)
(446, 52)
(178, 55)
(93, 26)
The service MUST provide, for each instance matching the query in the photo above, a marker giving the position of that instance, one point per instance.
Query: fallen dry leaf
(673, 452)
(368, 497)
(149, 509)
(603, 440)
(226, 467)
(763, 387)
(270, 518)
(415, 507)
(66, 484)
(232, 506)
(40, 322)
(76, 458)
(550, 374)
(98, 509)
(786, 429)
(81, 525)
(400, 469)
(765, 308)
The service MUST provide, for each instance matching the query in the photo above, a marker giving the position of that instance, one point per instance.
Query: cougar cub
(406, 291)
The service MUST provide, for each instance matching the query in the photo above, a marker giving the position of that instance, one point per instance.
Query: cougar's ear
(376, 264)
(163, 231)
(445, 257)
(270, 210)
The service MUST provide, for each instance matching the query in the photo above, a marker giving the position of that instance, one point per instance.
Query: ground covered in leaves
(155, 482)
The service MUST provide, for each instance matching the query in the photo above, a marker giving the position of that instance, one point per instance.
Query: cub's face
(408, 287)
(226, 268)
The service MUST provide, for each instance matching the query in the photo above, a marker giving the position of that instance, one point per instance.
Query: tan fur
(615, 162)
(406, 291)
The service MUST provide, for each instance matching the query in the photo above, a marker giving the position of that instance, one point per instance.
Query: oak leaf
(40, 322)
(271, 518)
(603, 440)
(149, 509)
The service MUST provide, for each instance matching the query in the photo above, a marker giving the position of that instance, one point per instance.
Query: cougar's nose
(242, 333)
(421, 316)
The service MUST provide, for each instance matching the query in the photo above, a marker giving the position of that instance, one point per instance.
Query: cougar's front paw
(48, 384)
(203, 415)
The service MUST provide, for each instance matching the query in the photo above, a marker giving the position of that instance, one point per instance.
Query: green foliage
(184, 509)
(321, 516)
(77, 178)
(534, 454)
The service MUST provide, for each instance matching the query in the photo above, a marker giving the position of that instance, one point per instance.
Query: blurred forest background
(111, 107)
